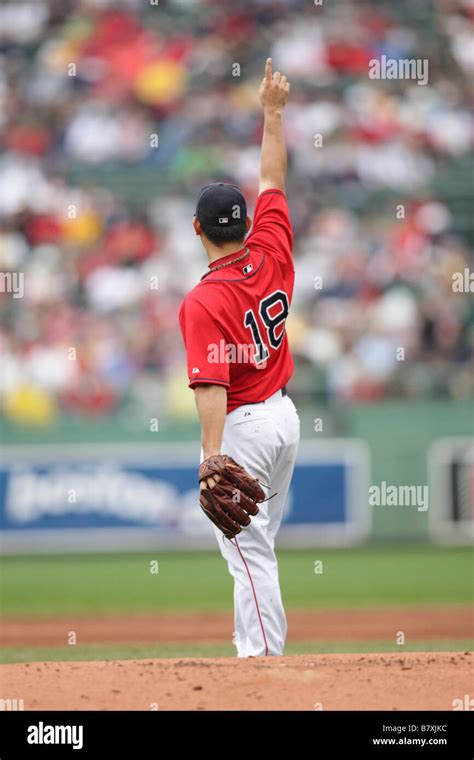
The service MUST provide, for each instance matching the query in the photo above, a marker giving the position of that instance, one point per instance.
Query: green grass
(122, 583)
(147, 652)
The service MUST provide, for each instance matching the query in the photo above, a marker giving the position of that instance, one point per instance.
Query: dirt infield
(424, 680)
(328, 625)
(413, 681)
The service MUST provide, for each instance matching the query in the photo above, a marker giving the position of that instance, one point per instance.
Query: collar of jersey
(219, 276)
(228, 257)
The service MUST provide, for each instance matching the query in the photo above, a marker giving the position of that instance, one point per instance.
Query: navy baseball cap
(221, 205)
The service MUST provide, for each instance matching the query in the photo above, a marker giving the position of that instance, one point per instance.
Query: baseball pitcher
(239, 362)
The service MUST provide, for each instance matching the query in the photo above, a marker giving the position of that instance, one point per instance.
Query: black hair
(222, 235)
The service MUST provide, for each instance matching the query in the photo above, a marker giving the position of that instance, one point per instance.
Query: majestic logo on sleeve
(195, 370)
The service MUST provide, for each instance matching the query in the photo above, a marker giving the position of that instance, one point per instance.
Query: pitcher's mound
(412, 681)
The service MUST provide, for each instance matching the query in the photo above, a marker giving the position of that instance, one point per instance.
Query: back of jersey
(233, 321)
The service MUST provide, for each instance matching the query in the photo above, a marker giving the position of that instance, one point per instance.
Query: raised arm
(273, 95)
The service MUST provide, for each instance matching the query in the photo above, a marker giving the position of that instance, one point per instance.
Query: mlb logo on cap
(221, 203)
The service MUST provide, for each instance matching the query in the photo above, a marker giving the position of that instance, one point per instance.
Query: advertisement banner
(119, 497)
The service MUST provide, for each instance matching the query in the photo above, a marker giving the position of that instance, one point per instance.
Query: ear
(248, 223)
(197, 226)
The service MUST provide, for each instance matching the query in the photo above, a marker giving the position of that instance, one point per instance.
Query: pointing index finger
(268, 70)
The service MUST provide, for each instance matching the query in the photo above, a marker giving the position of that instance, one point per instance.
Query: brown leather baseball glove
(228, 495)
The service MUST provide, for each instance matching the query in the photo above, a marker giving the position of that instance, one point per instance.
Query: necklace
(228, 263)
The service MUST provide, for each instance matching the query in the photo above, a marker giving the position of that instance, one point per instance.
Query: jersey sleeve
(271, 228)
(205, 345)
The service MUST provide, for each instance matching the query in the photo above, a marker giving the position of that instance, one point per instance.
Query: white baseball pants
(264, 439)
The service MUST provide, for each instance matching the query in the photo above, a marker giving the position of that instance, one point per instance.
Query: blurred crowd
(113, 115)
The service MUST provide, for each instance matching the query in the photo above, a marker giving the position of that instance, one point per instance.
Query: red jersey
(233, 321)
